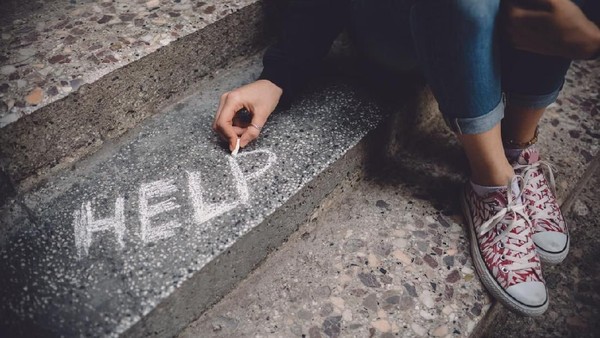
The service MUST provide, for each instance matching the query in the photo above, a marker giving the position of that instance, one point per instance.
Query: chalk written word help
(86, 225)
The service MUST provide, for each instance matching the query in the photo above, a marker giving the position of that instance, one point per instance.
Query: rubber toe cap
(529, 293)
(551, 241)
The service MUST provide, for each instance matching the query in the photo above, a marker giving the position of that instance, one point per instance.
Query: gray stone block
(143, 236)
(69, 129)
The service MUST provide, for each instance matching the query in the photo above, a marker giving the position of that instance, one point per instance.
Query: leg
(520, 124)
(489, 166)
(454, 42)
(531, 82)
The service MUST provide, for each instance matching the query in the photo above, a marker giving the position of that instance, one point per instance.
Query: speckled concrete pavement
(49, 49)
(388, 255)
(75, 75)
(376, 260)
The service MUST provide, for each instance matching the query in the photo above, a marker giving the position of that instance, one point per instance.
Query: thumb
(253, 130)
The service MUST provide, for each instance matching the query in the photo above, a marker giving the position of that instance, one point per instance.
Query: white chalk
(150, 191)
(85, 225)
(237, 148)
(204, 211)
(158, 197)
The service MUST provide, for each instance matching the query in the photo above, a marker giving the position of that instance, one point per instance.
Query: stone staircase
(388, 255)
(123, 214)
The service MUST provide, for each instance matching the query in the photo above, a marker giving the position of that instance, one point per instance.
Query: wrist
(275, 89)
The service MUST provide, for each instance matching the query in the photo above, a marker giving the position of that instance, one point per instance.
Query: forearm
(553, 27)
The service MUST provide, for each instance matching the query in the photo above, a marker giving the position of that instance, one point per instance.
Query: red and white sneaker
(550, 233)
(503, 251)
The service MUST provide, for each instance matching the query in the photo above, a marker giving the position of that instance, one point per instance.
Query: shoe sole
(488, 279)
(554, 258)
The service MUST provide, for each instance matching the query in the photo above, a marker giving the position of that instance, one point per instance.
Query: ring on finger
(256, 126)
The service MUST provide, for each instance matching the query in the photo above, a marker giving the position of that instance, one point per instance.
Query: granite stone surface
(49, 49)
(119, 235)
(374, 261)
(79, 124)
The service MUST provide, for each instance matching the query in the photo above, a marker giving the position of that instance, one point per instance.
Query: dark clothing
(453, 41)
(309, 29)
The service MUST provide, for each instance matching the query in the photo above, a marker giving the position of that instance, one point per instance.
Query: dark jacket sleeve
(591, 8)
(309, 29)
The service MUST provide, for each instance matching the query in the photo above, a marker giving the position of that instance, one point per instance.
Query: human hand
(550, 27)
(260, 98)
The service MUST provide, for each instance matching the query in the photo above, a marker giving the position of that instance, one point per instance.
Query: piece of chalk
(237, 148)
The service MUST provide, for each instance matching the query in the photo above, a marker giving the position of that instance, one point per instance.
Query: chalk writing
(149, 191)
(85, 225)
(156, 198)
(203, 211)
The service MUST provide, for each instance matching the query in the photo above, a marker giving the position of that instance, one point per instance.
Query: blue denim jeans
(456, 44)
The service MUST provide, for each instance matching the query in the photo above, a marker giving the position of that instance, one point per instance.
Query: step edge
(33, 148)
(277, 227)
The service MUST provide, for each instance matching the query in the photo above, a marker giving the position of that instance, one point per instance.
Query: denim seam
(533, 101)
(479, 124)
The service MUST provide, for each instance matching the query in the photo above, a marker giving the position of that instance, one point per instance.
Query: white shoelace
(529, 170)
(517, 251)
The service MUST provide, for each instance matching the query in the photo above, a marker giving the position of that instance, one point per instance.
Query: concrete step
(388, 255)
(75, 75)
(141, 237)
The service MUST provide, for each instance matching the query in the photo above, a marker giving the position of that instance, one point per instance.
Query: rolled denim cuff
(479, 124)
(532, 101)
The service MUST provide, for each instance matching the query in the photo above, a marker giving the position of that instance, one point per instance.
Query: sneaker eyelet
(502, 258)
(500, 245)
(504, 269)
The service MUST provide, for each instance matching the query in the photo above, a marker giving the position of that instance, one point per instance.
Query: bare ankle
(493, 177)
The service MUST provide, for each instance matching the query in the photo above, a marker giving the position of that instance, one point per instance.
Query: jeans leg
(532, 80)
(455, 42)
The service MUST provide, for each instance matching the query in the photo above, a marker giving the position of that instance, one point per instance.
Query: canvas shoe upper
(503, 250)
(550, 233)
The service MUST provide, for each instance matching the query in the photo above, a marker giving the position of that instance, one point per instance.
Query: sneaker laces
(517, 252)
(539, 211)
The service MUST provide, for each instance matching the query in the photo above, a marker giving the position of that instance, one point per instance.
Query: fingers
(518, 20)
(527, 9)
(545, 5)
(224, 120)
(516, 12)
(260, 98)
(219, 109)
(252, 132)
(239, 130)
